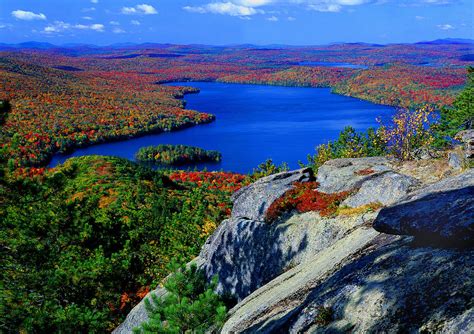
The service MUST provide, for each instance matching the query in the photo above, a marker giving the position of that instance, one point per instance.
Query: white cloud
(224, 8)
(272, 18)
(330, 5)
(95, 1)
(291, 18)
(244, 8)
(140, 9)
(60, 26)
(118, 31)
(254, 3)
(129, 10)
(135, 22)
(437, 2)
(445, 26)
(27, 16)
(419, 18)
(420, 3)
(87, 18)
(114, 23)
(89, 9)
(147, 9)
(96, 26)
(57, 26)
(249, 7)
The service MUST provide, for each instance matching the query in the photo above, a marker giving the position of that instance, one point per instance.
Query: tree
(191, 305)
(458, 117)
(408, 131)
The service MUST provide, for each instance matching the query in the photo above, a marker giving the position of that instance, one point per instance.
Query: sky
(223, 22)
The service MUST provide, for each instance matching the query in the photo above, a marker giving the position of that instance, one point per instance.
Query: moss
(324, 316)
(347, 211)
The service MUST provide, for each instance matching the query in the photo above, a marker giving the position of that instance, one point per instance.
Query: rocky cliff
(407, 267)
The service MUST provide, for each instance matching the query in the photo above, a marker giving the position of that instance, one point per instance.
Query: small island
(176, 154)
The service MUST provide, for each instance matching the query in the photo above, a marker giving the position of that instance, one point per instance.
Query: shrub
(190, 305)
(347, 211)
(324, 316)
(267, 168)
(409, 130)
(305, 197)
(349, 144)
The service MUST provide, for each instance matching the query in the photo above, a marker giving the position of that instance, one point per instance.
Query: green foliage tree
(189, 306)
(80, 241)
(176, 154)
(349, 144)
(267, 168)
(458, 117)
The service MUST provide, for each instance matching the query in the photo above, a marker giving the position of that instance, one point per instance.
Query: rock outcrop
(369, 283)
(246, 254)
(467, 138)
(391, 287)
(251, 202)
(372, 179)
(310, 274)
(456, 160)
(347, 174)
(443, 211)
(385, 188)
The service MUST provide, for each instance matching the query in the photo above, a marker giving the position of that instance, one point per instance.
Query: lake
(332, 64)
(254, 123)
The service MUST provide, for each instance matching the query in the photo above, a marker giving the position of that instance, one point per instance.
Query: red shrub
(305, 197)
(212, 180)
(366, 171)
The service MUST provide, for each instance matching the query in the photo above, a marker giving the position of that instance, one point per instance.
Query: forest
(62, 99)
(176, 154)
(84, 242)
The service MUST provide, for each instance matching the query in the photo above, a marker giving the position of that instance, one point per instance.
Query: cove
(255, 123)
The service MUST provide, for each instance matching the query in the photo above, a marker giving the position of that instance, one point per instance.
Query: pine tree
(460, 116)
(190, 306)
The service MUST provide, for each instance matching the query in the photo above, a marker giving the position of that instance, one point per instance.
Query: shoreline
(124, 138)
(181, 96)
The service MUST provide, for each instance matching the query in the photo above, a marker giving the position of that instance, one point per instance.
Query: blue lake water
(254, 123)
(328, 64)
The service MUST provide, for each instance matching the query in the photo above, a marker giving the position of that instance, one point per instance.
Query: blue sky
(296, 22)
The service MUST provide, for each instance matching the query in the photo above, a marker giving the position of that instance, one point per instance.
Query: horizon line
(125, 44)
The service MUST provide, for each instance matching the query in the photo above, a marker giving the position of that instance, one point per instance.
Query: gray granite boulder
(369, 283)
(393, 288)
(386, 188)
(246, 254)
(467, 137)
(251, 202)
(455, 160)
(349, 173)
(440, 211)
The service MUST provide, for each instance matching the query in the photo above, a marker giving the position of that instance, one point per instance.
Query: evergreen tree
(190, 305)
(460, 116)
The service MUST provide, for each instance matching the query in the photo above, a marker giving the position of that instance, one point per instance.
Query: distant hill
(150, 45)
(449, 41)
